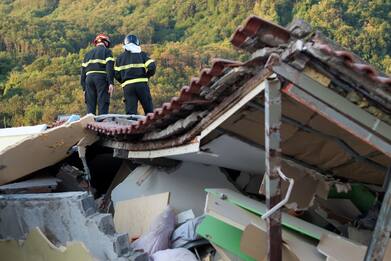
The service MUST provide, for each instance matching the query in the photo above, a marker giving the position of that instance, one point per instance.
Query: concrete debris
(9, 136)
(63, 217)
(34, 185)
(38, 247)
(48, 148)
(71, 179)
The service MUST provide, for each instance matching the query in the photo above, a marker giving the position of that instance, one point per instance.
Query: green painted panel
(223, 235)
(259, 208)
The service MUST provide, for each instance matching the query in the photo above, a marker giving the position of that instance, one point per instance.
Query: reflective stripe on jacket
(98, 61)
(133, 67)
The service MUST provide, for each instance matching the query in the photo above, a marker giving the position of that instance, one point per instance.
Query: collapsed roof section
(335, 108)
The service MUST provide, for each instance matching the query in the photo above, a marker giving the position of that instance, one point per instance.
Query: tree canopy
(42, 43)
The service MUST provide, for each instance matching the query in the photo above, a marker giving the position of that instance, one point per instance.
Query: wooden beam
(381, 234)
(338, 118)
(240, 93)
(334, 100)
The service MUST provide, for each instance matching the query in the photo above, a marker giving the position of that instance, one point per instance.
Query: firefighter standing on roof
(97, 75)
(133, 68)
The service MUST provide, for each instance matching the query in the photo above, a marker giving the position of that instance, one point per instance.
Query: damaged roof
(335, 106)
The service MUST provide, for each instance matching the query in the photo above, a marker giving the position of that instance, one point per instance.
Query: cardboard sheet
(38, 247)
(254, 244)
(42, 150)
(134, 216)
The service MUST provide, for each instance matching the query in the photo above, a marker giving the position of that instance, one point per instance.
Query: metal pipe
(273, 163)
(287, 195)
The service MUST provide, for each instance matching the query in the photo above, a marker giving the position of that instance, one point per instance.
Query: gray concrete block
(63, 217)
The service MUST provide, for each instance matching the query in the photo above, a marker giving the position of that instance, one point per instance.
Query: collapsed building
(285, 155)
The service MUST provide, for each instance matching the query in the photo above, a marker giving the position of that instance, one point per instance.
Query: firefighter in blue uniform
(97, 75)
(133, 68)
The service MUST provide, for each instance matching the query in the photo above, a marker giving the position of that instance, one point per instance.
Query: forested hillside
(42, 43)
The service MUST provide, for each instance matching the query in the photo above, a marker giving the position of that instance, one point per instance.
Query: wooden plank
(38, 247)
(259, 208)
(381, 235)
(134, 216)
(236, 216)
(339, 119)
(179, 150)
(338, 102)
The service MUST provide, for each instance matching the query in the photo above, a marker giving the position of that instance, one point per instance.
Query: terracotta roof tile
(187, 95)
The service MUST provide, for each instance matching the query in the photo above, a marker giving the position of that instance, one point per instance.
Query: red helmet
(102, 38)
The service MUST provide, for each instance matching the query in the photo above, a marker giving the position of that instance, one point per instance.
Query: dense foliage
(42, 43)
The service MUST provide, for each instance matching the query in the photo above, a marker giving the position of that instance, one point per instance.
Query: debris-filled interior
(289, 150)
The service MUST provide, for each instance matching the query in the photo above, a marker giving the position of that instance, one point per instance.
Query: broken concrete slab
(10, 136)
(48, 148)
(186, 184)
(35, 185)
(38, 247)
(63, 217)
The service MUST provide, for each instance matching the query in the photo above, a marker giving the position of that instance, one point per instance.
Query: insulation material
(38, 247)
(185, 183)
(322, 124)
(135, 216)
(48, 148)
(315, 150)
(359, 171)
